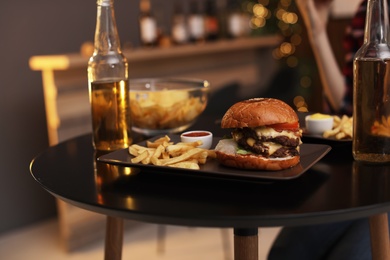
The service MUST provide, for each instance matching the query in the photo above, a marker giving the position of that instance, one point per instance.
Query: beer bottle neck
(106, 34)
(377, 22)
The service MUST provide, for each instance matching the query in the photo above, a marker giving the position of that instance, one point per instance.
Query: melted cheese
(272, 133)
(250, 141)
(268, 131)
(272, 147)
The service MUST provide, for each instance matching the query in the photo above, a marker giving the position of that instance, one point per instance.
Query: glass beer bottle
(108, 84)
(371, 68)
(147, 25)
(196, 24)
(211, 21)
(179, 26)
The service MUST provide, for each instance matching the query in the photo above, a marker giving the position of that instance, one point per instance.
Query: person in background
(348, 240)
(337, 83)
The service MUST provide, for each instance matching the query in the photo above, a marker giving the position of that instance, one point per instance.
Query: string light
(270, 17)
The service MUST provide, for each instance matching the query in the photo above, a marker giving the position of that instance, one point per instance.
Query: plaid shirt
(353, 40)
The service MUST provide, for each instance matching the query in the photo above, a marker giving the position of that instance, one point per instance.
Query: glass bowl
(166, 105)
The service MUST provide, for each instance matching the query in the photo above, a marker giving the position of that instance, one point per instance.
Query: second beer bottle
(371, 82)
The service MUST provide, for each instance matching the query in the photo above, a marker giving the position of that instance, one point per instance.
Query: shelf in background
(64, 61)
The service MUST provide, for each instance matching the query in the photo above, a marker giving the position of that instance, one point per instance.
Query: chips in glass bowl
(166, 105)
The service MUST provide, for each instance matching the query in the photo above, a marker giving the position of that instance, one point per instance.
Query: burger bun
(258, 112)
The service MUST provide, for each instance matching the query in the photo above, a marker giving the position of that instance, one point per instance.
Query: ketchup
(196, 134)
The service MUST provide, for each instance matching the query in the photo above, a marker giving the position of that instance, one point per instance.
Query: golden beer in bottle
(371, 68)
(108, 84)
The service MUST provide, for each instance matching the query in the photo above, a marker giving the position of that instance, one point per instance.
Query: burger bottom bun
(227, 156)
(254, 162)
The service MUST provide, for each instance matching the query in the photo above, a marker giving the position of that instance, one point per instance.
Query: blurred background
(44, 27)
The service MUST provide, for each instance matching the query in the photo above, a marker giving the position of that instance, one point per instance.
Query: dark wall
(29, 28)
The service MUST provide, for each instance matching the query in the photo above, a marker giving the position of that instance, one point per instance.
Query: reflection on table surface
(336, 188)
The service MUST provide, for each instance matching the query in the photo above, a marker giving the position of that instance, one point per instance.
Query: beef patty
(256, 145)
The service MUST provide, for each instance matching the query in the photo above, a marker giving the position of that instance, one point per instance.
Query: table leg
(161, 236)
(379, 231)
(246, 245)
(114, 239)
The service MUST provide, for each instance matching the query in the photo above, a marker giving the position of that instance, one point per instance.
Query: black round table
(334, 189)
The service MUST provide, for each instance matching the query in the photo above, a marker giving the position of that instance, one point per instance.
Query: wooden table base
(379, 231)
(114, 239)
(246, 245)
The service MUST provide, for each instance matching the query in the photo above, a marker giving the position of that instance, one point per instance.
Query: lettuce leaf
(242, 151)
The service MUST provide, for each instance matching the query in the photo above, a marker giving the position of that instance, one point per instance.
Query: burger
(265, 135)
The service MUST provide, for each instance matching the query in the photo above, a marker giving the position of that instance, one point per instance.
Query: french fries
(163, 152)
(342, 128)
(381, 128)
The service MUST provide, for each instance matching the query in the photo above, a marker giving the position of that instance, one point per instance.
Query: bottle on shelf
(234, 21)
(108, 84)
(179, 31)
(222, 14)
(196, 23)
(237, 21)
(147, 25)
(371, 100)
(211, 21)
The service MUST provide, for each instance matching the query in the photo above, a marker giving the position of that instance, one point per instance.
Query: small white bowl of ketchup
(198, 135)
